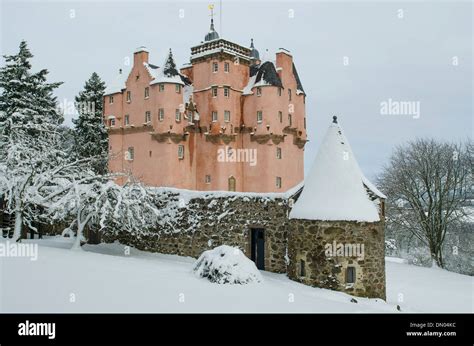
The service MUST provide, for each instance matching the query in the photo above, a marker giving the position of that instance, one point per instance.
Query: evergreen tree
(30, 143)
(91, 139)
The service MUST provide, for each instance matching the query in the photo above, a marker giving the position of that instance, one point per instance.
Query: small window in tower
(190, 116)
(208, 179)
(304, 124)
(302, 268)
(112, 122)
(226, 67)
(147, 116)
(130, 154)
(147, 92)
(259, 91)
(280, 116)
(129, 96)
(259, 117)
(177, 115)
(214, 91)
(350, 275)
(149, 153)
(279, 91)
(161, 87)
(278, 182)
(290, 120)
(215, 67)
(226, 116)
(278, 153)
(180, 152)
(126, 120)
(178, 88)
(111, 99)
(226, 92)
(214, 116)
(289, 94)
(161, 114)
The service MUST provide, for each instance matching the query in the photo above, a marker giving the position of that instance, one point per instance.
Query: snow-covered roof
(334, 189)
(262, 75)
(168, 73)
(118, 84)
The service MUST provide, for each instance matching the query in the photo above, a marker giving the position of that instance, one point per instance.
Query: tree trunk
(18, 225)
(77, 242)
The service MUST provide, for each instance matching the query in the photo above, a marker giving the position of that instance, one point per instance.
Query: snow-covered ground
(104, 279)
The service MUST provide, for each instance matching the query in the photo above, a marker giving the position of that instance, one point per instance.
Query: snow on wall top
(334, 189)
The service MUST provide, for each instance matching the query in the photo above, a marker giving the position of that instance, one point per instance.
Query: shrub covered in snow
(226, 265)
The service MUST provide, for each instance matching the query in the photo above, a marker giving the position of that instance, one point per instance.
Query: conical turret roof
(335, 188)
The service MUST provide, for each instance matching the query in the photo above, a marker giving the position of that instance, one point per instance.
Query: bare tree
(428, 183)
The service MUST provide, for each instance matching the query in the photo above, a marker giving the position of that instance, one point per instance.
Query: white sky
(403, 59)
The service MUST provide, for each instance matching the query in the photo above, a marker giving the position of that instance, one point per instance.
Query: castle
(226, 121)
(230, 121)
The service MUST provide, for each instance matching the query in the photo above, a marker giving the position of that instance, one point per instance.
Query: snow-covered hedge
(226, 265)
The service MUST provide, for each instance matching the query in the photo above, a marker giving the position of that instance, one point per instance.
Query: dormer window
(111, 99)
(147, 92)
(215, 67)
(226, 67)
(161, 87)
(178, 88)
(259, 91)
(214, 91)
(129, 96)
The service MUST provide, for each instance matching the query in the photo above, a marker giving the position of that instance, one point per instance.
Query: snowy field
(103, 279)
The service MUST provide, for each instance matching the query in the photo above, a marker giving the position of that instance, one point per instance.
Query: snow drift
(226, 265)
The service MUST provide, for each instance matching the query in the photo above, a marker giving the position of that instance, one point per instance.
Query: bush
(226, 265)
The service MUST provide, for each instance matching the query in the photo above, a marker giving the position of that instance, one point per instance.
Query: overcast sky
(351, 56)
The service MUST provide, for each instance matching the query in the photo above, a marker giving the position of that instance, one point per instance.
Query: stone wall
(308, 246)
(215, 219)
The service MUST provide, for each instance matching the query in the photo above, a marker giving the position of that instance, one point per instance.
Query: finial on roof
(251, 43)
(254, 54)
(212, 34)
(334, 119)
(120, 71)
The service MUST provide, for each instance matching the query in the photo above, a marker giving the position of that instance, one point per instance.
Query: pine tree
(91, 139)
(30, 143)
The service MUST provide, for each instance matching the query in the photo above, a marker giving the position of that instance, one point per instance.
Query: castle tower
(336, 233)
(225, 121)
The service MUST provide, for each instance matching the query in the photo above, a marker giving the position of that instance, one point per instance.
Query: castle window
(278, 153)
(289, 94)
(302, 268)
(112, 122)
(147, 116)
(149, 153)
(129, 96)
(215, 67)
(278, 182)
(259, 117)
(190, 116)
(214, 91)
(180, 152)
(111, 99)
(350, 275)
(161, 87)
(226, 92)
(231, 183)
(177, 88)
(280, 116)
(130, 154)
(259, 91)
(226, 116)
(177, 115)
(214, 116)
(126, 120)
(279, 91)
(304, 122)
(208, 179)
(161, 114)
(147, 92)
(290, 120)
(226, 67)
